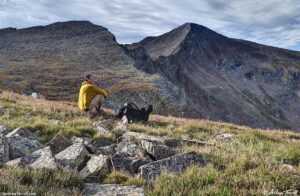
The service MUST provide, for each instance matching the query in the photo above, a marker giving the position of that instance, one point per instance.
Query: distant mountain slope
(190, 71)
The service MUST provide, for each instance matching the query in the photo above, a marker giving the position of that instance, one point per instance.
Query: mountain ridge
(190, 71)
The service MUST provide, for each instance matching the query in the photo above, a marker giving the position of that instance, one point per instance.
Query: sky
(270, 22)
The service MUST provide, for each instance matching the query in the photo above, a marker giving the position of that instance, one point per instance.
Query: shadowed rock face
(190, 71)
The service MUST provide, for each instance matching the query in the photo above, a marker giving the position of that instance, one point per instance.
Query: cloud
(271, 22)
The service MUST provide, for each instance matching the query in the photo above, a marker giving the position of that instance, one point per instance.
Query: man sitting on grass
(89, 96)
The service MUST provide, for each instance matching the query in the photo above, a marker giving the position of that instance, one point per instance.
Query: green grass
(247, 165)
(40, 182)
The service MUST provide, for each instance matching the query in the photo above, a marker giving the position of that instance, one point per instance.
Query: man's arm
(99, 91)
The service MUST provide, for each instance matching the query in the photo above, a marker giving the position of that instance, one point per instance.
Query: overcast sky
(271, 22)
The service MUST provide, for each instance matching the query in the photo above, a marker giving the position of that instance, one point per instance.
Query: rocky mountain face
(190, 71)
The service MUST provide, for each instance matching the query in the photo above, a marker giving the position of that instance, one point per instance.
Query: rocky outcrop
(111, 190)
(73, 158)
(174, 164)
(42, 158)
(96, 167)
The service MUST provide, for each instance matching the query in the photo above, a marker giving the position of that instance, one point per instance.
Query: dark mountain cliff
(190, 71)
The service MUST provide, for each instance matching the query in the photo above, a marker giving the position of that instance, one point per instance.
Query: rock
(102, 130)
(121, 162)
(287, 168)
(175, 143)
(73, 158)
(225, 136)
(128, 147)
(42, 158)
(5, 130)
(106, 124)
(106, 150)
(175, 164)
(137, 163)
(97, 166)
(24, 133)
(21, 146)
(59, 143)
(158, 151)
(142, 136)
(4, 149)
(111, 190)
(55, 122)
(86, 141)
(122, 126)
(37, 95)
(100, 142)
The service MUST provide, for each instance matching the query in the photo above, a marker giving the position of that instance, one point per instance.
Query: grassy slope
(249, 164)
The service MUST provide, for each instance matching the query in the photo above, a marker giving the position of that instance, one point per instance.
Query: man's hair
(87, 76)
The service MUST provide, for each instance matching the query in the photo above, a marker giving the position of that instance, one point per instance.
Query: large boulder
(121, 162)
(73, 158)
(4, 149)
(21, 146)
(111, 190)
(128, 147)
(96, 167)
(42, 158)
(174, 164)
(106, 150)
(99, 142)
(158, 151)
(21, 132)
(4, 129)
(59, 143)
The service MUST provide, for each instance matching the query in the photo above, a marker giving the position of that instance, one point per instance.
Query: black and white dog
(134, 113)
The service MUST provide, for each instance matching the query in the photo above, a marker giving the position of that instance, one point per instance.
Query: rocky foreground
(138, 154)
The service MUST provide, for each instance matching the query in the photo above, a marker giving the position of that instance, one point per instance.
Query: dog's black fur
(134, 113)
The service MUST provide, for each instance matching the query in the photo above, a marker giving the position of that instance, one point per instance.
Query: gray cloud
(271, 22)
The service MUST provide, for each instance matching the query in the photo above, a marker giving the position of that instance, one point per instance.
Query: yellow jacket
(87, 93)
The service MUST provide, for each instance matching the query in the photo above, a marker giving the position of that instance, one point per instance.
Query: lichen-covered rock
(111, 190)
(142, 136)
(59, 143)
(158, 151)
(86, 141)
(21, 146)
(175, 143)
(96, 167)
(174, 164)
(4, 149)
(100, 142)
(121, 162)
(103, 127)
(128, 147)
(138, 162)
(106, 150)
(42, 158)
(24, 133)
(4, 129)
(73, 158)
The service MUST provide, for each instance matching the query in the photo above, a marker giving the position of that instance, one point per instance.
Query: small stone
(111, 190)
(37, 95)
(97, 166)
(73, 158)
(86, 141)
(225, 136)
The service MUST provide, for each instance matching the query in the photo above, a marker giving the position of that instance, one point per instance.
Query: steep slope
(228, 79)
(52, 59)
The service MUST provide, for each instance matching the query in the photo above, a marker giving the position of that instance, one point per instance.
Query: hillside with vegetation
(249, 162)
